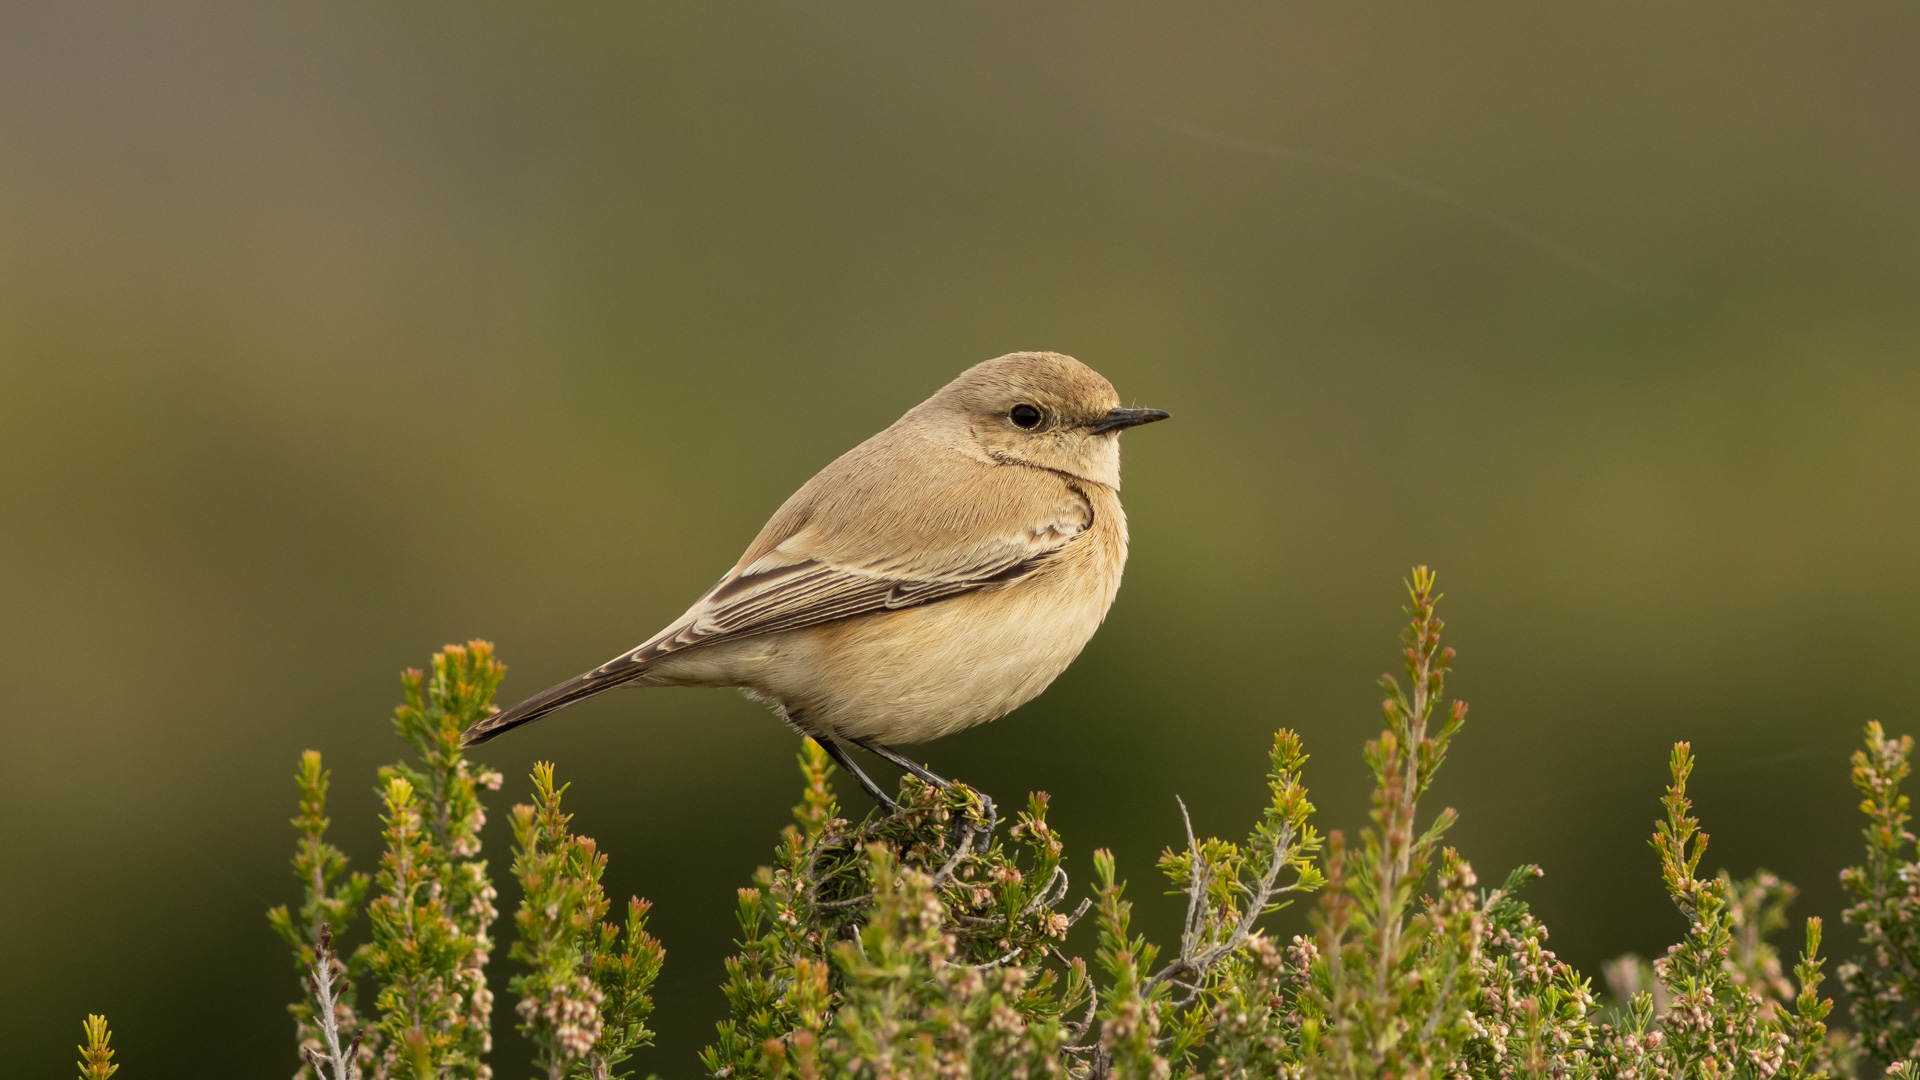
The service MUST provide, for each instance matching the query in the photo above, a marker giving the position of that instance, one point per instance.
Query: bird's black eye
(1025, 416)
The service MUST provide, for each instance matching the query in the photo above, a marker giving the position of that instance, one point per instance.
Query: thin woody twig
(1086, 1022)
(960, 851)
(324, 993)
(1194, 960)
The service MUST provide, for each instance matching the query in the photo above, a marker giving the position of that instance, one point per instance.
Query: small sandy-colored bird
(937, 576)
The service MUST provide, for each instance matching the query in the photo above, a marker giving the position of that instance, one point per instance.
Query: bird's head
(1040, 408)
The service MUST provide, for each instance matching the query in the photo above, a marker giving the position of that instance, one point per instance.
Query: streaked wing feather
(783, 592)
(893, 523)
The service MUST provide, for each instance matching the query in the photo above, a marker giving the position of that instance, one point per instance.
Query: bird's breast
(912, 675)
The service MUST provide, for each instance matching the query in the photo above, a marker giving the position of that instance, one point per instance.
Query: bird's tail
(605, 677)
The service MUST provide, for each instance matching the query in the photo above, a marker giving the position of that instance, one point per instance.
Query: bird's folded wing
(894, 523)
(798, 585)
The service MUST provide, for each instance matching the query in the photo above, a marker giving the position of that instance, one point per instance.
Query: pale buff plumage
(937, 576)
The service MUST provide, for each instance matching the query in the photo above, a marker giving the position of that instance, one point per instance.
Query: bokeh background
(329, 334)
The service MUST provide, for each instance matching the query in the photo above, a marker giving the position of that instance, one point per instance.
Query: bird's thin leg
(931, 777)
(902, 760)
(839, 755)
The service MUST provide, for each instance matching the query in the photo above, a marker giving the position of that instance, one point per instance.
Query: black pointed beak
(1116, 419)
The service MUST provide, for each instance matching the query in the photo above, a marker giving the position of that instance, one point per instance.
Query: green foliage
(432, 924)
(906, 946)
(1222, 978)
(430, 921)
(584, 1003)
(1810, 1053)
(925, 943)
(96, 1057)
(333, 897)
(1391, 989)
(623, 963)
(1714, 1025)
(905, 943)
(419, 955)
(1532, 1016)
(1885, 986)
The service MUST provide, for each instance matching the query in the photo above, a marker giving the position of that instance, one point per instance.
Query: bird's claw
(979, 826)
(985, 828)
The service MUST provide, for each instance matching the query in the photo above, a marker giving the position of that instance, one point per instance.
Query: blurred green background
(331, 334)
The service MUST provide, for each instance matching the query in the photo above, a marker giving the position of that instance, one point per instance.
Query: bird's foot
(979, 825)
(984, 829)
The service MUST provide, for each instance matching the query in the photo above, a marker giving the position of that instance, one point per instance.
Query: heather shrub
(933, 942)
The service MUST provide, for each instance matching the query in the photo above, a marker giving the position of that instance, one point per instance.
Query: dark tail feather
(553, 698)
